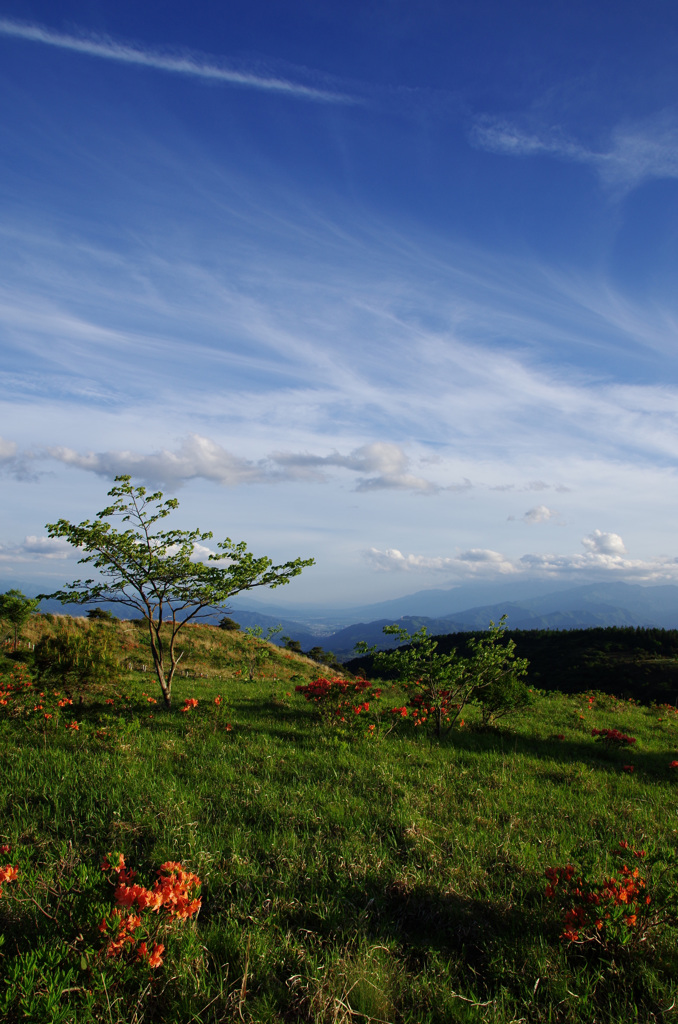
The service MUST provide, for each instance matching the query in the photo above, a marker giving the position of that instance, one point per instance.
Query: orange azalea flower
(217, 700)
(9, 873)
(155, 959)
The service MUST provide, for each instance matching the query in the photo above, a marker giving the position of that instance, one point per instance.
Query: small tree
(256, 648)
(154, 572)
(100, 615)
(17, 609)
(492, 677)
(444, 681)
(229, 624)
(292, 645)
(499, 675)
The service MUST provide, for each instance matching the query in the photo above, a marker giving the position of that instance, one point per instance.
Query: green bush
(77, 660)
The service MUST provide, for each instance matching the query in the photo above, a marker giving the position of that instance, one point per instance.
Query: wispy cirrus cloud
(194, 65)
(634, 152)
(604, 553)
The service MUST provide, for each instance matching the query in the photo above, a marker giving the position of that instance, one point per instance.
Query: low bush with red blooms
(344, 702)
(129, 929)
(20, 699)
(613, 738)
(611, 912)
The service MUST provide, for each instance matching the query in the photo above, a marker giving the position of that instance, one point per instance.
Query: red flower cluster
(422, 708)
(591, 908)
(173, 892)
(613, 737)
(336, 698)
(9, 873)
(189, 704)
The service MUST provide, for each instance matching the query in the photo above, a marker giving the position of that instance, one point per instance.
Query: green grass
(344, 878)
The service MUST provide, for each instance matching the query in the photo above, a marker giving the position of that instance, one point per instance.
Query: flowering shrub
(492, 678)
(21, 699)
(442, 683)
(128, 929)
(613, 738)
(347, 702)
(611, 911)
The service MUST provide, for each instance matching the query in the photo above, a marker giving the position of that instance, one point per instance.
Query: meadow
(344, 873)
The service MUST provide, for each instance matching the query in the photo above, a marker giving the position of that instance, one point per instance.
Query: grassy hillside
(348, 874)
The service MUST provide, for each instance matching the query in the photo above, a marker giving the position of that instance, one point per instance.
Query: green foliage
(292, 645)
(100, 614)
(17, 609)
(77, 661)
(154, 571)
(499, 676)
(490, 676)
(230, 625)
(444, 680)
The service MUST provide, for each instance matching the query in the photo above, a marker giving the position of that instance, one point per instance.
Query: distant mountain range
(595, 604)
(529, 605)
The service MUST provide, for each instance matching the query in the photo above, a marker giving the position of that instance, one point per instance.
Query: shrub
(76, 660)
(500, 687)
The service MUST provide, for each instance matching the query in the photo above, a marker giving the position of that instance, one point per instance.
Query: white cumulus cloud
(539, 514)
(34, 547)
(195, 457)
(380, 465)
(604, 553)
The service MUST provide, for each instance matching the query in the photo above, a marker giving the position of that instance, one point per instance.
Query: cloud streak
(183, 64)
(637, 151)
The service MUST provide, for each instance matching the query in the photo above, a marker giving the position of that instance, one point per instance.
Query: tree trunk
(157, 652)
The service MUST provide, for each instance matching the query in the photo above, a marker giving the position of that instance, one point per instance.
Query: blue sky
(387, 284)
